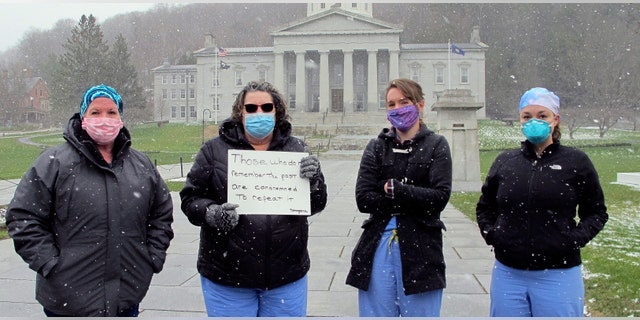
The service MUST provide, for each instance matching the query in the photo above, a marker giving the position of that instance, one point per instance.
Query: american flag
(222, 52)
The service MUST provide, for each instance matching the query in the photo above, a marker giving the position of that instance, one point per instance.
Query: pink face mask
(102, 130)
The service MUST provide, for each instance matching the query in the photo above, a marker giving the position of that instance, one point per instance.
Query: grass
(611, 260)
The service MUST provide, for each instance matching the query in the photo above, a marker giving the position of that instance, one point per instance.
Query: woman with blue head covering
(527, 212)
(92, 216)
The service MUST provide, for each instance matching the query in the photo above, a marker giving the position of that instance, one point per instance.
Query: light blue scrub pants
(289, 300)
(536, 293)
(385, 297)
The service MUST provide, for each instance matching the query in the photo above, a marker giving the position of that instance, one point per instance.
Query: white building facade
(338, 59)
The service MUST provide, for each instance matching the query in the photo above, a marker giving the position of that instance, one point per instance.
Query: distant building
(338, 59)
(26, 100)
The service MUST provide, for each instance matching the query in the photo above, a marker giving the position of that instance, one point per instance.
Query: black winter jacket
(423, 165)
(262, 251)
(94, 233)
(528, 206)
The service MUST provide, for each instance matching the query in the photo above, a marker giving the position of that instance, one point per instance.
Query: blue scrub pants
(536, 293)
(289, 300)
(385, 297)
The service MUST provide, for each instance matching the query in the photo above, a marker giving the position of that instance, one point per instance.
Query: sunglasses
(251, 108)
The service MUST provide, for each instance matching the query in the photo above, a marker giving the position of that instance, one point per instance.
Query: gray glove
(309, 167)
(223, 216)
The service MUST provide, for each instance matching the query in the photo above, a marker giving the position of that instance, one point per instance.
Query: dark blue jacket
(527, 209)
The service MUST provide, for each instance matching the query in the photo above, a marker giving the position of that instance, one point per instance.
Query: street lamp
(203, 122)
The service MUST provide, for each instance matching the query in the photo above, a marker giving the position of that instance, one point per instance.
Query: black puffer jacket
(528, 206)
(94, 233)
(423, 165)
(262, 251)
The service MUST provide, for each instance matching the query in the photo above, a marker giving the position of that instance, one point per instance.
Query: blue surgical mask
(259, 125)
(536, 130)
(403, 118)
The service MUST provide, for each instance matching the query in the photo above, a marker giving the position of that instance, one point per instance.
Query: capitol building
(338, 59)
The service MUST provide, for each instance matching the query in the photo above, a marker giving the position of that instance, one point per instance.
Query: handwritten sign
(267, 182)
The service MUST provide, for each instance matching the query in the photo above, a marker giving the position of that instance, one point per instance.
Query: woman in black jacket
(92, 216)
(527, 212)
(251, 265)
(404, 183)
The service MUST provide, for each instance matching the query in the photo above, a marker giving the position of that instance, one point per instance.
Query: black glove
(223, 217)
(309, 167)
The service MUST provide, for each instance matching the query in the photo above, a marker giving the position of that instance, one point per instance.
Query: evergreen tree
(82, 66)
(124, 78)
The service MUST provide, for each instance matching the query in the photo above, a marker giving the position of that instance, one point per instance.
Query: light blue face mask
(536, 130)
(259, 125)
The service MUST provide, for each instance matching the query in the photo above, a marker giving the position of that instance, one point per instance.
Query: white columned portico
(325, 94)
(279, 71)
(301, 85)
(347, 97)
(394, 62)
(372, 80)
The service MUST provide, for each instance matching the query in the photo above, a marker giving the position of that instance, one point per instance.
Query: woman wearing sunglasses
(251, 265)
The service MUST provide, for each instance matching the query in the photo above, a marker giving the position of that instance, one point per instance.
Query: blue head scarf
(97, 92)
(540, 97)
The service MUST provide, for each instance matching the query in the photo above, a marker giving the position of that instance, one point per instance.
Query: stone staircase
(338, 135)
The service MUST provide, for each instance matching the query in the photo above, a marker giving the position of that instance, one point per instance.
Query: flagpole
(449, 62)
(216, 83)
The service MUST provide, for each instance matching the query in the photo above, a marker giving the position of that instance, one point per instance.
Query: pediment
(336, 20)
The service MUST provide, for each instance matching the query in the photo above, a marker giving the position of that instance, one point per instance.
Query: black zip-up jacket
(423, 166)
(262, 251)
(528, 207)
(95, 233)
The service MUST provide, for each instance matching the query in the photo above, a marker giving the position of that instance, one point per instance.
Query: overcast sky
(16, 18)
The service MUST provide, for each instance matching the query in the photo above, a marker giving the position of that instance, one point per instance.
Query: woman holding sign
(252, 265)
(404, 183)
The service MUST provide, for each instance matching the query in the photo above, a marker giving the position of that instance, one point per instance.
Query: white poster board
(267, 182)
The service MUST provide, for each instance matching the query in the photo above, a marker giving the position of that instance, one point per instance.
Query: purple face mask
(403, 118)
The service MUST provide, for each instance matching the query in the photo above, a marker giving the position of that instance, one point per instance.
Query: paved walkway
(175, 292)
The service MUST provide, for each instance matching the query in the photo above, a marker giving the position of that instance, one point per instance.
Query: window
(174, 94)
(292, 101)
(192, 112)
(359, 76)
(164, 93)
(239, 78)
(174, 111)
(183, 79)
(216, 103)
(439, 72)
(262, 75)
(415, 73)
(382, 103)
(192, 93)
(173, 79)
(354, 5)
(216, 79)
(192, 79)
(183, 111)
(183, 93)
(383, 73)
(464, 74)
(164, 79)
(359, 101)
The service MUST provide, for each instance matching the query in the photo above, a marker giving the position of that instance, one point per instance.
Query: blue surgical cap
(540, 97)
(97, 92)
